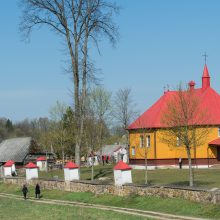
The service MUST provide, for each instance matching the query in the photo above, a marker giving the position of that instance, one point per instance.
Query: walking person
(25, 191)
(180, 163)
(103, 160)
(37, 191)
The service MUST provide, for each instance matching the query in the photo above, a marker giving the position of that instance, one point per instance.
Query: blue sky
(161, 42)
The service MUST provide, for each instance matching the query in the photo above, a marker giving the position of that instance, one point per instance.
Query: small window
(133, 151)
(141, 141)
(148, 140)
(219, 132)
(177, 141)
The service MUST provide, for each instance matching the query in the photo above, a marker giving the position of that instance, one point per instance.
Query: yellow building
(146, 132)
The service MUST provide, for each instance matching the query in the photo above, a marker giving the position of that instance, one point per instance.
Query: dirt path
(136, 212)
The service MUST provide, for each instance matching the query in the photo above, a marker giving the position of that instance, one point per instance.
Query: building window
(148, 140)
(133, 151)
(177, 141)
(141, 141)
(219, 132)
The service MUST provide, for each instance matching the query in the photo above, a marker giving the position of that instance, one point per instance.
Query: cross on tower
(205, 55)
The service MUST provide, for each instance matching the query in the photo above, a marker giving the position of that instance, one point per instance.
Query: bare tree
(58, 130)
(78, 23)
(90, 137)
(124, 110)
(186, 124)
(100, 108)
(100, 105)
(144, 144)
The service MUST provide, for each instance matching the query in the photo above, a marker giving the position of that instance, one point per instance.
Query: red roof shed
(71, 165)
(31, 165)
(122, 166)
(41, 159)
(9, 163)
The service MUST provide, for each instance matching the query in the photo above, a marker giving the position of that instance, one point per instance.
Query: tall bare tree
(124, 110)
(186, 123)
(78, 23)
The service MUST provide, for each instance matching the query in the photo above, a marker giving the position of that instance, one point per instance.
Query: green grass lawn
(152, 203)
(204, 178)
(25, 210)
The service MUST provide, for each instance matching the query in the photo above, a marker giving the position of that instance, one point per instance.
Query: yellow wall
(163, 151)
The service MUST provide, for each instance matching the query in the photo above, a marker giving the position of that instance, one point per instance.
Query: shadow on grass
(101, 173)
(196, 184)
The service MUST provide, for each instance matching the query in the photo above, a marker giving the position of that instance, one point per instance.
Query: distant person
(180, 163)
(103, 159)
(37, 191)
(25, 191)
(90, 160)
(106, 159)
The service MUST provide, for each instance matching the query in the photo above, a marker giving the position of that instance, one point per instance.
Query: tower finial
(205, 56)
(205, 78)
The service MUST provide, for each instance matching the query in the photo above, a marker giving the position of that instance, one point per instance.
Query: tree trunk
(190, 166)
(127, 145)
(100, 134)
(77, 153)
(92, 174)
(145, 160)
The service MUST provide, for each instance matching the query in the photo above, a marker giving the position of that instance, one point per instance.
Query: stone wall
(205, 196)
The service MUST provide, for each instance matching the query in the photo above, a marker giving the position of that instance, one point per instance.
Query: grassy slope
(174, 206)
(21, 210)
(204, 178)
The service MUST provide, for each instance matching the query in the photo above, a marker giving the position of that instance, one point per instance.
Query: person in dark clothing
(25, 191)
(180, 163)
(103, 160)
(37, 191)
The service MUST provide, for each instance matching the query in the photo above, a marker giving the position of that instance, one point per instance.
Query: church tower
(205, 78)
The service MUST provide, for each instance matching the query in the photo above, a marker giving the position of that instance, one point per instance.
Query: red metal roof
(209, 102)
(31, 165)
(121, 166)
(9, 163)
(206, 72)
(215, 142)
(41, 159)
(71, 165)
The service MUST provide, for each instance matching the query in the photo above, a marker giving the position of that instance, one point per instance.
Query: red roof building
(207, 96)
(122, 166)
(71, 165)
(9, 163)
(41, 159)
(151, 122)
(31, 166)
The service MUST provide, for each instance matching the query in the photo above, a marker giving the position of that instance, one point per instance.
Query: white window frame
(148, 141)
(141, 141)
(133, 151)
(177, 141)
